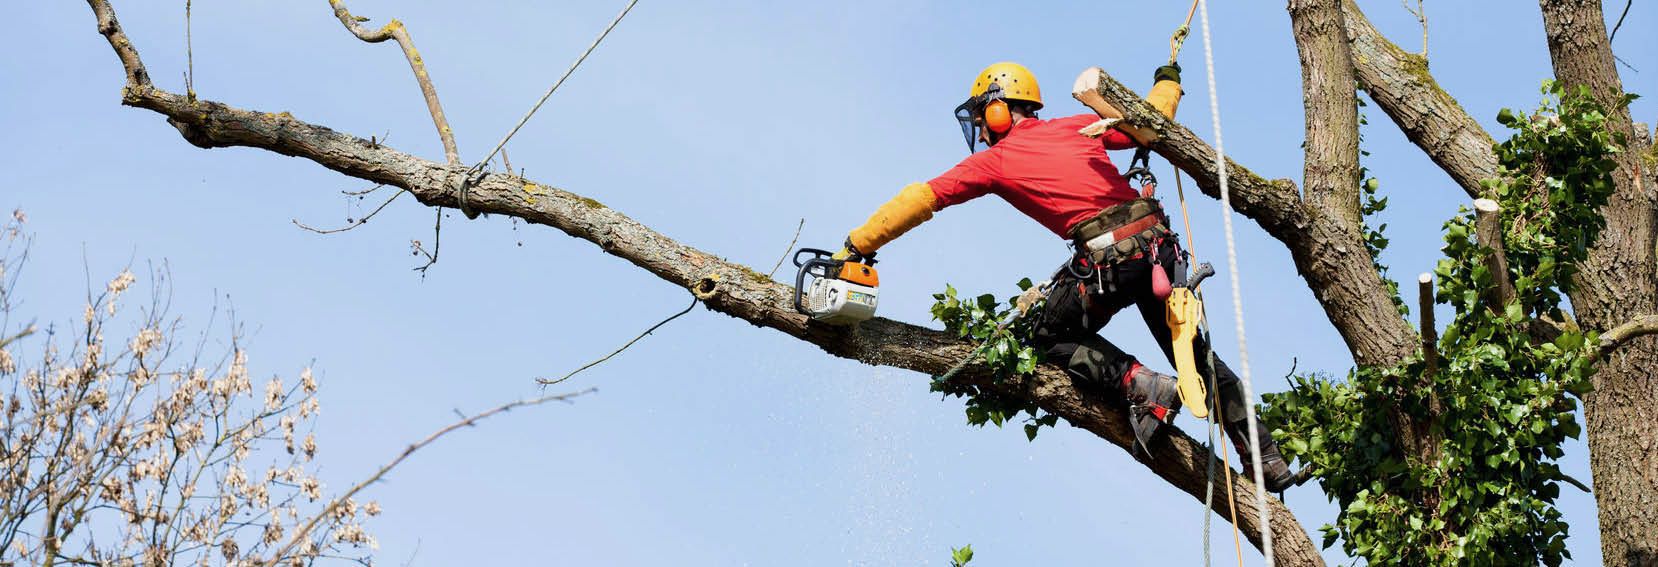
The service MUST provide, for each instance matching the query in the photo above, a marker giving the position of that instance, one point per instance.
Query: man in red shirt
(1064, 180)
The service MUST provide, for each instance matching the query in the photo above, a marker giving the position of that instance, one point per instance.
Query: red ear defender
(997, 118)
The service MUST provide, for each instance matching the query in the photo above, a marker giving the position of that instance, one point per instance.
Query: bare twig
(437, 242)
(1615, 27)
(350, 193)
(1422, 18)
(189, 57)
(304, 530)
(350, 224)
(545, 382)
(1489, 230)
(1625, 63)
(786, 251)
(27, 330)
(396, 31)
(556, 84)
(1430, 335)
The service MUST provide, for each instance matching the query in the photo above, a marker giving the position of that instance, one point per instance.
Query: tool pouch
(1120, 232)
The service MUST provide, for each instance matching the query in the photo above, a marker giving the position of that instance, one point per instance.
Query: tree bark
(1400, 84)
(726, 287)
(1618, 282)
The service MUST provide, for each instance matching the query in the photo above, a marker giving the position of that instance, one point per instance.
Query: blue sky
(721, 124)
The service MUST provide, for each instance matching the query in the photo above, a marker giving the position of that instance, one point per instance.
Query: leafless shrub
(132, 453)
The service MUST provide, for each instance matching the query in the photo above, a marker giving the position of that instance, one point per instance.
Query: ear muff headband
(997, 118)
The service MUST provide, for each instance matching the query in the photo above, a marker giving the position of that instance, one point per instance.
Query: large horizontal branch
(729, 288)
(1399, 83)
(1332, 259)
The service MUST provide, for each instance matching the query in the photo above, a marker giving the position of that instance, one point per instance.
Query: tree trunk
(1619, 282)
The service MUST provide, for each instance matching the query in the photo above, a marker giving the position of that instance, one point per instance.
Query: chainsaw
(1184, 315)
(841, 292)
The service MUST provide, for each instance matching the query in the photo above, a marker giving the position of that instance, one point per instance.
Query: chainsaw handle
(805, 268)
(819, 253)
(1202, 272)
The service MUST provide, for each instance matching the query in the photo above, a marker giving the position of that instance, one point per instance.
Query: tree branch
(396, 31)
(1400, 84)
(1333, 261)
(1637, 327)
(1332, 144)
(27, 330)
(303, 533)
(729, 288)
(1488, 229)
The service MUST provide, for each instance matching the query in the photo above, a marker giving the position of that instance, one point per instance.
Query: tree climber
(1065, 181)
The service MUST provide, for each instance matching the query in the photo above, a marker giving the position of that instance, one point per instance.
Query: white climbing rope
(1237, 296)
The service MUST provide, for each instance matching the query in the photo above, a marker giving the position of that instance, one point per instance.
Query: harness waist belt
(1105, 239)
(1120, 231)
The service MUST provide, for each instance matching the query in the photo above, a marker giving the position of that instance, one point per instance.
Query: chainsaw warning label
(860, 297)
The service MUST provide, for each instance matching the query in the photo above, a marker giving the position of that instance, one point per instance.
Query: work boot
(1275, 473)
(1153, 400)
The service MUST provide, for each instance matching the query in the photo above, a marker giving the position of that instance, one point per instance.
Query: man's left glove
(1170, 72)
(1165, 93)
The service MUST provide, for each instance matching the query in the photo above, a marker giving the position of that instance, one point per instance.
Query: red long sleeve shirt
(1045, 169)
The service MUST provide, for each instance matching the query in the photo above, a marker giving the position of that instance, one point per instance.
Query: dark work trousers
(1076, 311)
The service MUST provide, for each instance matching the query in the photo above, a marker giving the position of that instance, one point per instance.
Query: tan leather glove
(1165, 92)
(1165, 97)
(912, 206)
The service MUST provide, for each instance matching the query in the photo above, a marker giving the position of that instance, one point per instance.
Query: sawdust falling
(883, 502)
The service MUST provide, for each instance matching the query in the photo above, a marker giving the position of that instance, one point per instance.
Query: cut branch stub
(1488, 228)
(1430, 335)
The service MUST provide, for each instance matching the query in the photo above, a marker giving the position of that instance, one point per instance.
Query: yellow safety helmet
(1016, 81)
(986, 104)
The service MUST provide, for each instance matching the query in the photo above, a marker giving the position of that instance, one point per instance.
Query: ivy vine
(1004, 337)
(1502, 402)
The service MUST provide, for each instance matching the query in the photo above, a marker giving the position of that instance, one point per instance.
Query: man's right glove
(912, 206)
(850, 252)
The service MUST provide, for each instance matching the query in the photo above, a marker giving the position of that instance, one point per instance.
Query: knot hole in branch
(705, 287)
